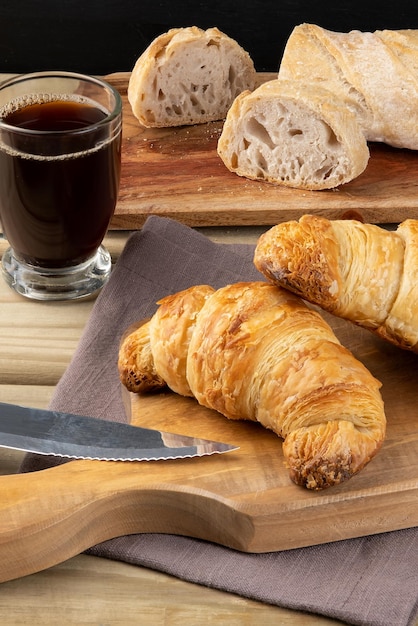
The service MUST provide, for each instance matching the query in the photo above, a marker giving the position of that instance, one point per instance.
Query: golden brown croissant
(360, 272)
(253, 351)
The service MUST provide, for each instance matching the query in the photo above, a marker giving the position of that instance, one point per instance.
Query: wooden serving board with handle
(242, 499)
(176, 173)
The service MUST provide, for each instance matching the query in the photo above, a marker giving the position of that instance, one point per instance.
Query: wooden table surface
(37, 341)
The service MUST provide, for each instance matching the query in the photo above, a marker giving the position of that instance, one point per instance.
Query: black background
(100, 37)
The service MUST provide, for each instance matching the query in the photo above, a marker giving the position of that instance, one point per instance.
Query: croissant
(253, 351)
(373, 74)
(360, 272)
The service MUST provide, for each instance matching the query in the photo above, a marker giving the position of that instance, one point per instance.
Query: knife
(80, 437)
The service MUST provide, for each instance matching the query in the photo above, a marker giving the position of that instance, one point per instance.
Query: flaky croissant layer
(360, 272)
(253, 351)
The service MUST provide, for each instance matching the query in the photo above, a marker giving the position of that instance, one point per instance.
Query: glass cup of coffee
(60, 156)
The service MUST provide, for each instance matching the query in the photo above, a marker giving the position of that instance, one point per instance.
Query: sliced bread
(294, 134)
(189, 76)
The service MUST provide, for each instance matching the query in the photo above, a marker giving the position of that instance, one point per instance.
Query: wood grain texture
(243, 499)
(176, 172)
(266, 510)
(89, 590)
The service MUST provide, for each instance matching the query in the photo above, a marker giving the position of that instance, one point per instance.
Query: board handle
(48, 516)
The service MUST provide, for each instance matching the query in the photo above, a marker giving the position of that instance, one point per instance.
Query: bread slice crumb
(189, 76)
(294, 134)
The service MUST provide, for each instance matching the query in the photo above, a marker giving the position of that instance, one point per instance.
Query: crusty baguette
(374, 74)
(293, 134)
(188, 76)
(253, 351)
(360, 272)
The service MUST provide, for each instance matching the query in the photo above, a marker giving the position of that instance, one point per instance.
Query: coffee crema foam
(21, 102)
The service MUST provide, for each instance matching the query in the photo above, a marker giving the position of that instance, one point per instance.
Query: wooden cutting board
(177, 173)
(242, 499)
(245, 499)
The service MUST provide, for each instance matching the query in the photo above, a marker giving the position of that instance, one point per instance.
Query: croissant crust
(360, 272)
(253, 351)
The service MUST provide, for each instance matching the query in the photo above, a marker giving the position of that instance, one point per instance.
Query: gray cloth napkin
(371, 581)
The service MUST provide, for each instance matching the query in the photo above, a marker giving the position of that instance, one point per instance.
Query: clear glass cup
(60, 157)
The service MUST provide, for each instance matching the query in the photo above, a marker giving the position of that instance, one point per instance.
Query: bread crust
(135, 361)
(188, 76)
(360, 272)
(294, 134)
(374, 75)
(257, 352)
(401, 324)
(170, 331)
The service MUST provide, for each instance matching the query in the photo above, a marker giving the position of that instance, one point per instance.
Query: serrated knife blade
(80, 437)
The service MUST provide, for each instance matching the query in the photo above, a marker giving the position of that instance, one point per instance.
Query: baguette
(188, 76)
(252, 351)
(360, 272)
(375, 75)
(293, 134)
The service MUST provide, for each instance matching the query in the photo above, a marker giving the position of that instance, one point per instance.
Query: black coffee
(55, 205)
